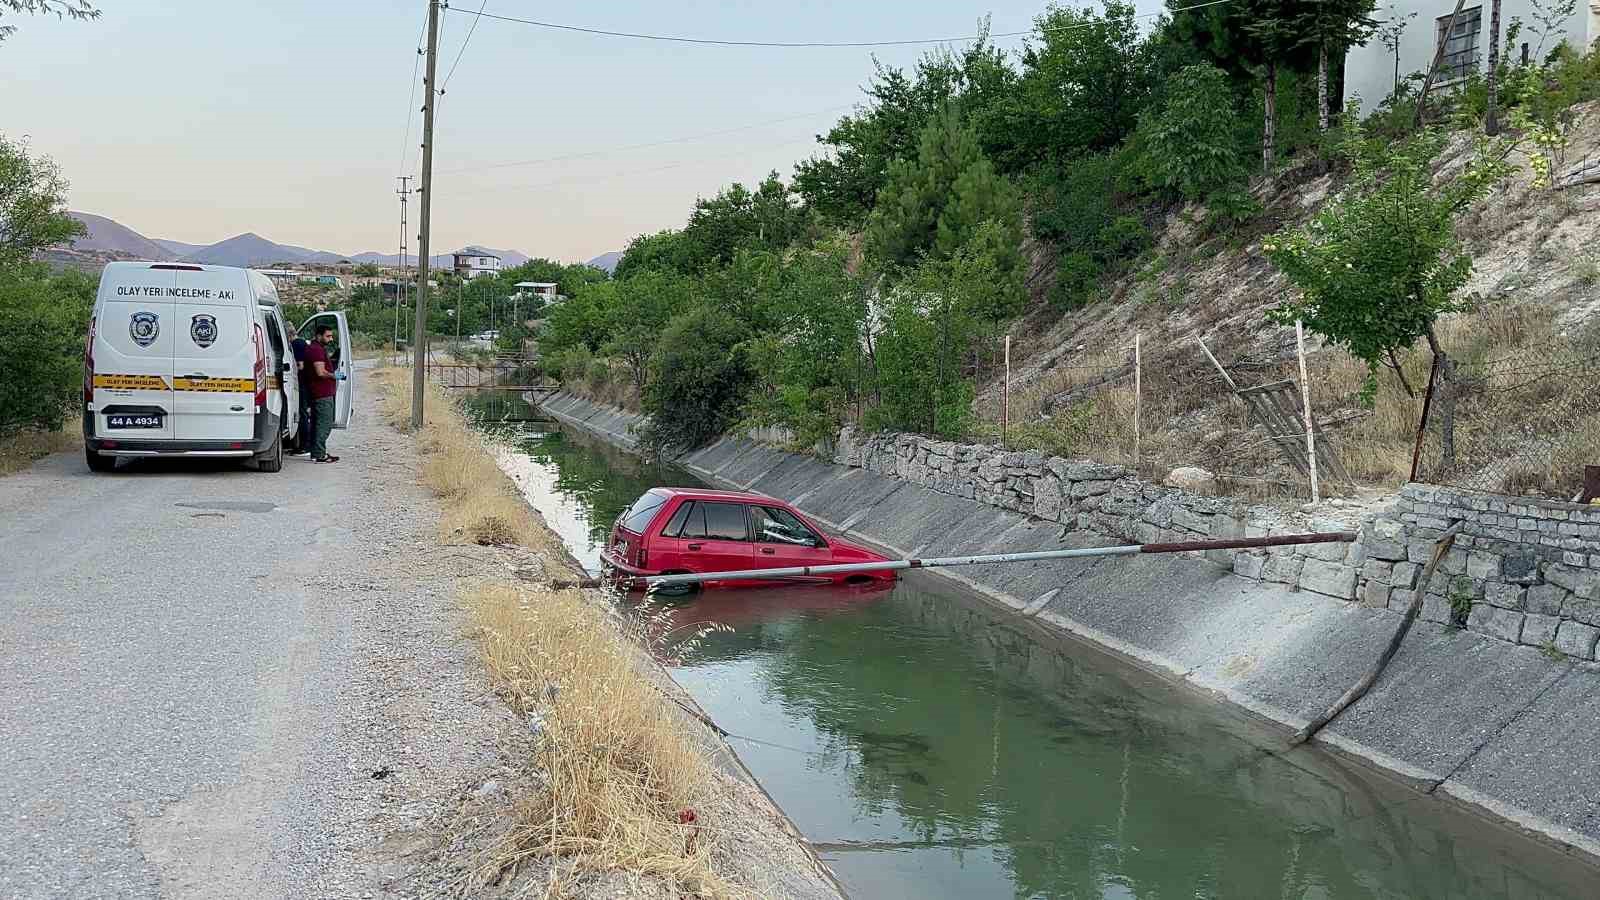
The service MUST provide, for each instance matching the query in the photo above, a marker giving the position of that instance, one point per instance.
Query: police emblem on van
(203, 330)
(144, 328)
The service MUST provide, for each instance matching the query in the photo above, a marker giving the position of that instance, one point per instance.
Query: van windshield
(638, 516)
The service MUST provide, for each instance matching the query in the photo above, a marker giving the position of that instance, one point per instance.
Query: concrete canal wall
(1498, 716)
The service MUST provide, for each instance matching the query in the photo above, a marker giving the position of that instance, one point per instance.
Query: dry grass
(22, 450)
(618, 767)
(482, 505)
(623, 776)
(1189, 418)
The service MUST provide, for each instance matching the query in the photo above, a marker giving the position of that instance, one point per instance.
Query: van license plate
(141, 421)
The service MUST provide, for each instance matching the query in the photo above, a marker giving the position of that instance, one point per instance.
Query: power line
(661, 143)
(501, 188)
(411, 99)
(807, 44)
(465, 41)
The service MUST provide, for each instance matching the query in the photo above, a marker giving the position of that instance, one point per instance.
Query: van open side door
(343, 359)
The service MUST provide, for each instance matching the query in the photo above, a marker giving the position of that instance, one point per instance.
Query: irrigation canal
(930, 748)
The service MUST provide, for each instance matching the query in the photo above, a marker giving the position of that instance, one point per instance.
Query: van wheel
(99, 462)
(272, 460)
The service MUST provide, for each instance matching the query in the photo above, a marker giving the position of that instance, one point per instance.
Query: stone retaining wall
(1522, 571)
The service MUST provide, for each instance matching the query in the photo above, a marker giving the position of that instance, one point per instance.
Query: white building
(475, 262)
(544, 290)
(1369, 70)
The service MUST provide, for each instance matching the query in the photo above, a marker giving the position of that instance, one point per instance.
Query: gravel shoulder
(221, 682)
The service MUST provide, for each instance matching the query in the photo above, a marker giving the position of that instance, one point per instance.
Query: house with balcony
(475, 262)
(1372, 70)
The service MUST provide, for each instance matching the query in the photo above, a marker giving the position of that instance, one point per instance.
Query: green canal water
(930, 748)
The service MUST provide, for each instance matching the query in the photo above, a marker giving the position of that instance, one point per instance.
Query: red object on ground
(682, 530)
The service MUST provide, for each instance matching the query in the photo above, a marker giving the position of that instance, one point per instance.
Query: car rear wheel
(677, 590)
(272, 460)
(99, 462)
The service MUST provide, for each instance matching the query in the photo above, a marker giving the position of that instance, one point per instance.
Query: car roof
(704, 494)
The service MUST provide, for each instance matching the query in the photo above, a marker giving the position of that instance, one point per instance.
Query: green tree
(810, 364)
(367, 270)
(43, 319)
(1331, 27)
(33, 205)
(643, 306)
(739, 219)
(842, 187)
(933, 324)
(1081, 88)
(932, 204)
(699, 378)
(1190, 145)
(71, 9)
(1252, 40)
(1376, 267)
(662, 250)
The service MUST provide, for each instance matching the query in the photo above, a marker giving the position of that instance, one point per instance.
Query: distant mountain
(179, 248)
(607, 261)
(106, 236)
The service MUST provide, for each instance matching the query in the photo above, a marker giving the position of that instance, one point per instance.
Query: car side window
(675, 524)
(726, 522)
(775, 525)
(694, 524)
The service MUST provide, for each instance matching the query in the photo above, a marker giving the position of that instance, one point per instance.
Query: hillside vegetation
(1188, 179)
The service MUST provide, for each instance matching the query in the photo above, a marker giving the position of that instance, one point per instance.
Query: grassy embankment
(23, 449)
(618, 764)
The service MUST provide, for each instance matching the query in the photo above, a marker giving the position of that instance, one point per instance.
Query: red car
(680, 530)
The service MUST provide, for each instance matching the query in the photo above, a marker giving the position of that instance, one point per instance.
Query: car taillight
(644, 555)
(88, 365)
(261, 370)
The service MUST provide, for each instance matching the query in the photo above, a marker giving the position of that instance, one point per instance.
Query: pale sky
(197, 121)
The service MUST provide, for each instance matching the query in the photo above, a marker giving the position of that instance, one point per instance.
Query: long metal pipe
(891, 565)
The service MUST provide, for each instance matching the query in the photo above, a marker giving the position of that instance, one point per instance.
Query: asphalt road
(232, 684)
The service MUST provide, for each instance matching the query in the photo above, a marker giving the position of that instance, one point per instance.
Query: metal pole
(1138, 395)
(400, 280)
(418, 336)
(1305, 399)
(1005, 396)
(890, 565)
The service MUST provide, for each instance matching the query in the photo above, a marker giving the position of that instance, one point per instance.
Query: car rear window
(638, 516)
(717, 522)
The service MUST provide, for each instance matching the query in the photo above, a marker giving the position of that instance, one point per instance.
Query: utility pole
(400, 282)
(419, 337)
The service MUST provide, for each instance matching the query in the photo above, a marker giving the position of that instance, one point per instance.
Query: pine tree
(933, 205)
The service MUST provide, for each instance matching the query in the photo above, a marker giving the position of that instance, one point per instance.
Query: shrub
(699, 378)
(43, 319)
(1191, 144)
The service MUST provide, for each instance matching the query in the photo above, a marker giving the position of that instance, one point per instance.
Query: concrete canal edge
(1496, 718)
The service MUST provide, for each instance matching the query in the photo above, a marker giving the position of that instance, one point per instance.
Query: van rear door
(214, 355)
(131, 354)
(342, 358)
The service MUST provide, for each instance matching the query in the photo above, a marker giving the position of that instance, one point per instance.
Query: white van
(194, 360)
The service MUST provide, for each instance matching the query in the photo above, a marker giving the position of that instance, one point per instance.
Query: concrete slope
(1496, 727)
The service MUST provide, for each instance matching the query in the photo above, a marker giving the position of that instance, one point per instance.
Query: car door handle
(694, 546)
(768, 551)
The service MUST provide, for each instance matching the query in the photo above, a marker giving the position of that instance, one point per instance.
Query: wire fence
(1515, 425)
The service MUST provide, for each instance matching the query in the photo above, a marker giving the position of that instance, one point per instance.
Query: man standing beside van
(323, 386)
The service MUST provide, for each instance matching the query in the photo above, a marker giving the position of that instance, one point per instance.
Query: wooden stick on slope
(1360, 688)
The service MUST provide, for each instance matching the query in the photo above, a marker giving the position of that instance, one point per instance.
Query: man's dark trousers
(322, 423)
